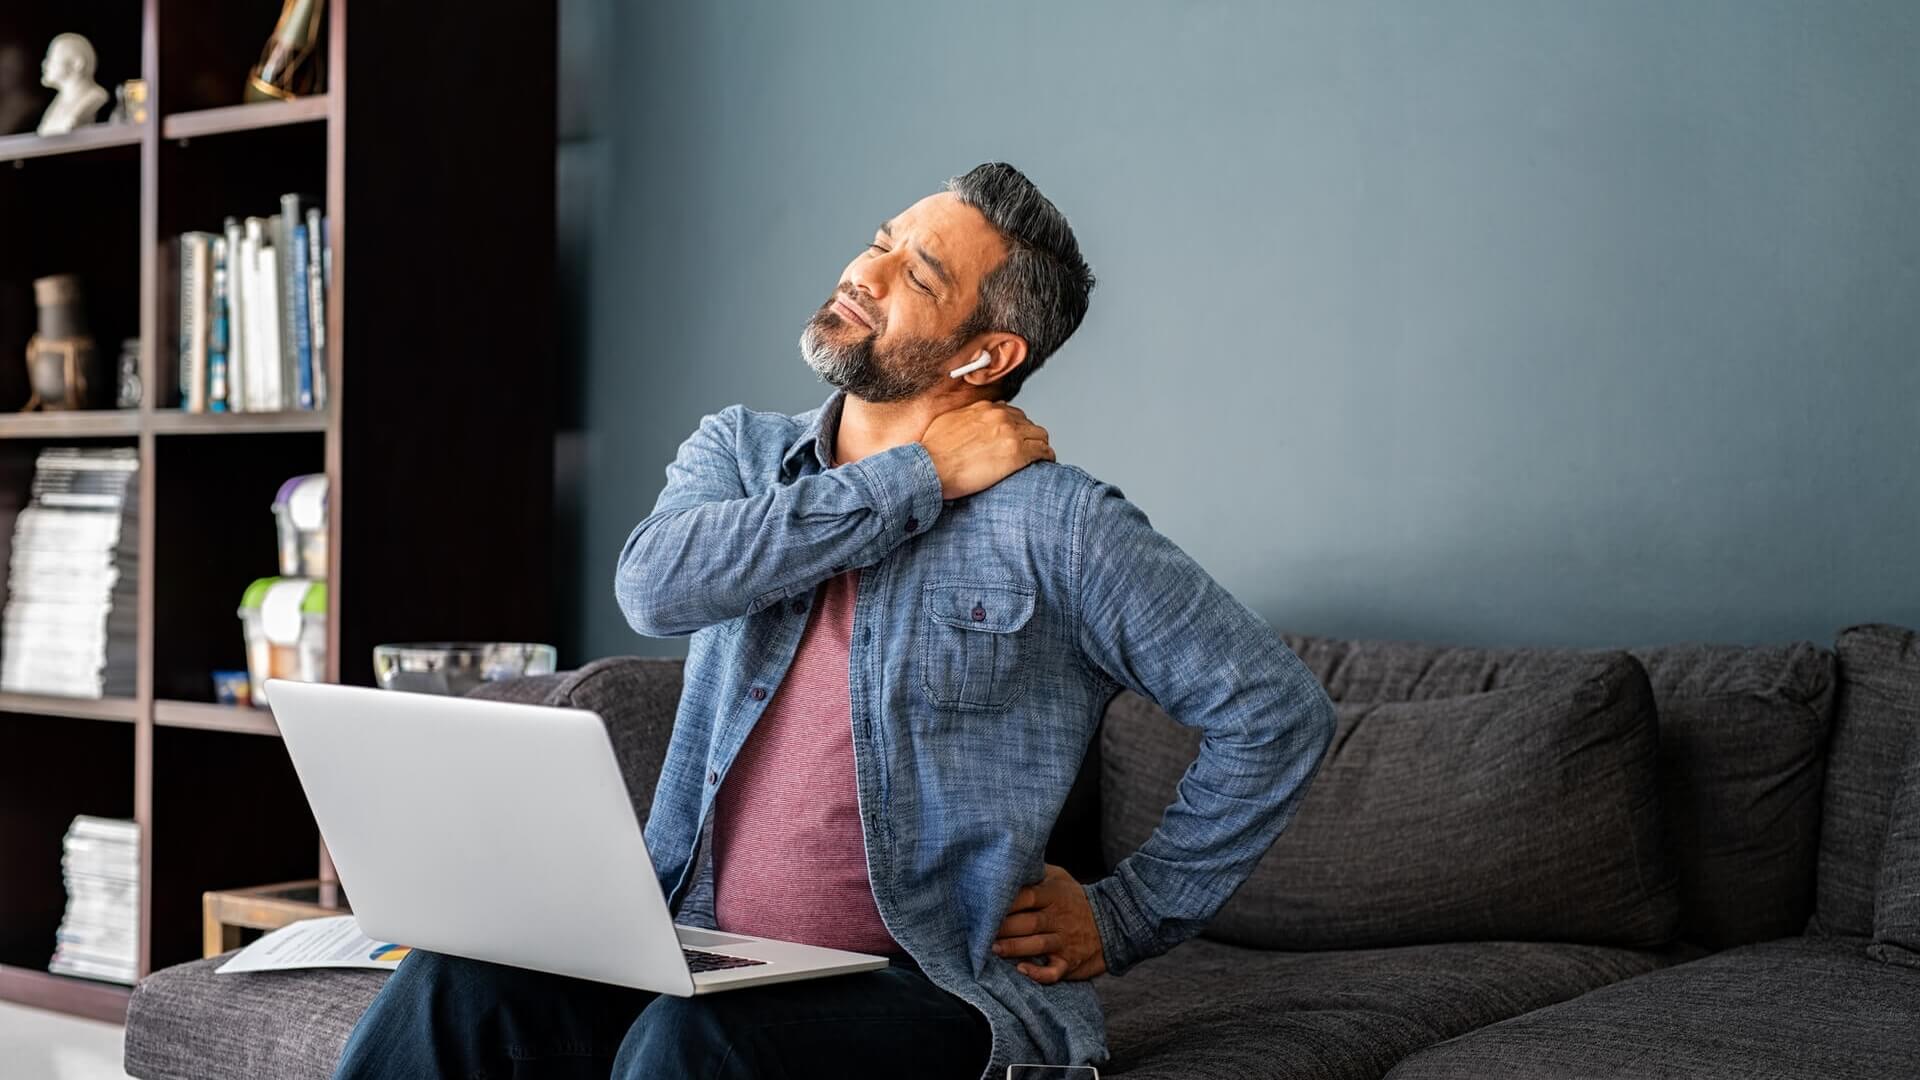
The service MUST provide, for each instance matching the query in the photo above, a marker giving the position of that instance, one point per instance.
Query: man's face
(894, 325)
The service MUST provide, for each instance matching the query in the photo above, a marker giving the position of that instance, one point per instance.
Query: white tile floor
(39, 1045)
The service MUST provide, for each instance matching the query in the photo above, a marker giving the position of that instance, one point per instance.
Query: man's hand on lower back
(1052, 920)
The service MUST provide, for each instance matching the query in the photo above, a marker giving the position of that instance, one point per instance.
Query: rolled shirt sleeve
(709, 551)
(1156, 623)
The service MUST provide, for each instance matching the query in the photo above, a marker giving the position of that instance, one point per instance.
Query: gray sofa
(1514, 862)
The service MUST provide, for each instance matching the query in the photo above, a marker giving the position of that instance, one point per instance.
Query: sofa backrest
(636, 697)
(1525, 813)
(1876, 713)
(1743, 734)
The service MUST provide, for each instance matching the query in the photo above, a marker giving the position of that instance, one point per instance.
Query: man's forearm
(686, 567)
(1230, 808)
(1158, 624)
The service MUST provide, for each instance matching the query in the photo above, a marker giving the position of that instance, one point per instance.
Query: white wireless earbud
(979, 362)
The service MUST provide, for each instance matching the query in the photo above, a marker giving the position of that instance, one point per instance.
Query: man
(907, 619)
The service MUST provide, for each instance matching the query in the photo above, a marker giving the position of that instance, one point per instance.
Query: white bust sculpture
(68, 69)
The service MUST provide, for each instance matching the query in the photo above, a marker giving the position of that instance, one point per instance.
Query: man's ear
(1007, 351)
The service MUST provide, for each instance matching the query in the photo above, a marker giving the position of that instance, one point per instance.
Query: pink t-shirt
(789, 858)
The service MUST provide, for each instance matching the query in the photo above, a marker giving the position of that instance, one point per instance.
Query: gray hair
(1039, 291)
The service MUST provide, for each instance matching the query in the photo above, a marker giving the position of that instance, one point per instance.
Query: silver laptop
(504, 832)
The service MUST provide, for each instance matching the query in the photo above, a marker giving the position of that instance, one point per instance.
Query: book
(253, 301)
(217, 327)
(263, 331)
(253, 377)
(236, 320)
(302, 337)
(284, 222)
(317, 301)
(273, 364)
(194, 287)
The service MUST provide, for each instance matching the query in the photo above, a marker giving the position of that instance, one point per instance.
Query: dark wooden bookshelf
(64, 993)
(97, 137)
(176, 422)
(95, 423)
(105, 708)
(78, 424)
(197, 714)
(251, 117)
(438, 448)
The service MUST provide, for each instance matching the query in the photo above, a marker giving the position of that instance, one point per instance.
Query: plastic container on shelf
(285, 622)
(300, 511)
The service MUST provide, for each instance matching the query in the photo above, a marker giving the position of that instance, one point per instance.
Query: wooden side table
(226, 913)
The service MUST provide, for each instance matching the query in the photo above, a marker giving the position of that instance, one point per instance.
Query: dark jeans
(451, 1017)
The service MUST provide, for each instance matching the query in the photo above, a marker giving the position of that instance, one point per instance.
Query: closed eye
(910, 277)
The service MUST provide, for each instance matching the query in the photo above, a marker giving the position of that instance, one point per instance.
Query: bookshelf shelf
(230, 118)
(198, 714)
(20, 148)
(450, 359)
(72, 424)
(126, 710)
(175, 422)
(93, 998)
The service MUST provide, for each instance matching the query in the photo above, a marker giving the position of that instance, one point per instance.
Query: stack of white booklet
(99, 935)
(72, 581)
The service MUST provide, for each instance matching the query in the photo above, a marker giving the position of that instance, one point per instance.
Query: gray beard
(902, 372)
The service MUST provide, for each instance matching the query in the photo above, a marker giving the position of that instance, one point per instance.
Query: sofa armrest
(636, 697)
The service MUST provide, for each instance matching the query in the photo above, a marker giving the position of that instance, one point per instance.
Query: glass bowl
(455, 667)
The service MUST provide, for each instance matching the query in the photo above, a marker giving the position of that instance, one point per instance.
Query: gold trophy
(289, 65)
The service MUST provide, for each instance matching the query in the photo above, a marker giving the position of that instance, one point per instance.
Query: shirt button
(979, 613)
(759, 692)
(912, 524)
(712, 777)
(799, 606)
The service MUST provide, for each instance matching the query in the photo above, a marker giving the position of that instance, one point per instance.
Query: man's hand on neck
(868, 428)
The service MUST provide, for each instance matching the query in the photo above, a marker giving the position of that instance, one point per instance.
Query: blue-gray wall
(1500, 322)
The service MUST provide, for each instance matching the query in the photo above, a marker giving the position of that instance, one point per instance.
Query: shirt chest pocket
(975, 643)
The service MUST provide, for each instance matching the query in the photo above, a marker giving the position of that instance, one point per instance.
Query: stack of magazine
(253, 304)
(100, 932)
(72, 584)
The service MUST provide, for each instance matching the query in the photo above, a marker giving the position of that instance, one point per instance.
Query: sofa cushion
(1743, 734)
(1208, 1009)
(1526, 813)
(186, 1023)
(1877, 710)
(1797, 1007)
(1896, 902)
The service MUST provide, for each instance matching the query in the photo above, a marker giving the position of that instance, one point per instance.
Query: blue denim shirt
(989, 634)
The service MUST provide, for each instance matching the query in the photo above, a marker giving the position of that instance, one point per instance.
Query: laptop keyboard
(699, 960)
